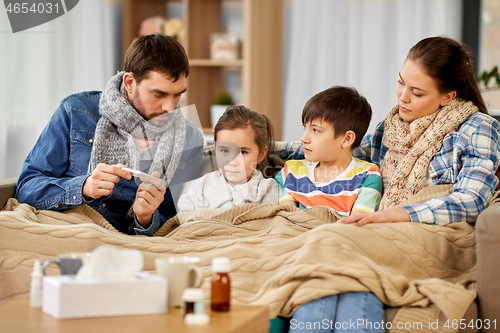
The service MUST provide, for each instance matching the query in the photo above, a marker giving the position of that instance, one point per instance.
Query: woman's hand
(384, 216)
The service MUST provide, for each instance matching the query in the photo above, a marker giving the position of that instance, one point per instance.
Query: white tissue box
(64, 297)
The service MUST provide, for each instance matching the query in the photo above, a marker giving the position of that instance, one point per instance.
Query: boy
(335, 121)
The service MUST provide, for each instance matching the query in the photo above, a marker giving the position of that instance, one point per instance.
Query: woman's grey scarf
(120, 123)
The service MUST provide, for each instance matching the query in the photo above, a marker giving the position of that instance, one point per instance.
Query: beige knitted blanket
(280, 256)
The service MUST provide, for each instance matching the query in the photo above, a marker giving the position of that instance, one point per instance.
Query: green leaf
(486, 78)
(494, 71)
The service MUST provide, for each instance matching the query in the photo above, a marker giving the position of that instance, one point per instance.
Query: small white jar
(193, 301)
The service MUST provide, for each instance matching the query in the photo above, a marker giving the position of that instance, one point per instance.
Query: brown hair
(238, 116)
(449, 63)
(341, 107)
(158, 53)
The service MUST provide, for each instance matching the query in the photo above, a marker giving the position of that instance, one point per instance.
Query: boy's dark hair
(159, 53)
(341, 107)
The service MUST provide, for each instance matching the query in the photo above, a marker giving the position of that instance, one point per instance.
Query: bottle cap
(193, 295)
(197, 319)
(36, 285)
(221, 265)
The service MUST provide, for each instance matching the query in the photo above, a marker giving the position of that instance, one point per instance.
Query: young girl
(242, 142)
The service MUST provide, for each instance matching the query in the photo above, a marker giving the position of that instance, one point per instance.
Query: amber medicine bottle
(221, 285)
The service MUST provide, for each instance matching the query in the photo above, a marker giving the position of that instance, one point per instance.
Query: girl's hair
(238, 116)
(449, 63)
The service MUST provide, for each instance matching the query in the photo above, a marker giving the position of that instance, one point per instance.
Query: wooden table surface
(16, 316)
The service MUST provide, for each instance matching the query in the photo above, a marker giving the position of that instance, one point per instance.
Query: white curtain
(78, 51)
(359, 43)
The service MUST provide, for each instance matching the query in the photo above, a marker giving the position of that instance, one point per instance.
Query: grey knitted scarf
(120, 123)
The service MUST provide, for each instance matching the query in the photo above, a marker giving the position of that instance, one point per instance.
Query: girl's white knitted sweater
(213, 191)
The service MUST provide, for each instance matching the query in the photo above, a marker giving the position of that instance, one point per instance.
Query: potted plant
(489, 82)
(221, 102)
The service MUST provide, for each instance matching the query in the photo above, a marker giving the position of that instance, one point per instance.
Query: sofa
(7, 190)
(487, 305)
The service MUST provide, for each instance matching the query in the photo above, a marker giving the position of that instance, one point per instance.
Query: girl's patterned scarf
(412, 145)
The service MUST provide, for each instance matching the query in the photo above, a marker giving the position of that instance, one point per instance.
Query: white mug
(181, 272)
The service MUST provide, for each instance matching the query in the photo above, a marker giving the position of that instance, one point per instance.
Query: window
(489, 52)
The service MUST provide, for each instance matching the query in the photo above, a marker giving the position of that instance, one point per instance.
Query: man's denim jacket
(55, 170)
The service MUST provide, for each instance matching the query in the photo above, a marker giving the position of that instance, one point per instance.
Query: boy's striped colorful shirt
(358, 188)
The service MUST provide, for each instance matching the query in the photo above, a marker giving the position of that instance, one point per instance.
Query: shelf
(260, 68)
(208, 130)
(215, 63)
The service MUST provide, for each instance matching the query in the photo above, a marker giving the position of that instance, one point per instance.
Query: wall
(76, 52)
(360, 43)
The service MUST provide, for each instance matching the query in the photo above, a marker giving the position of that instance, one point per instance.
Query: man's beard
(137, 104)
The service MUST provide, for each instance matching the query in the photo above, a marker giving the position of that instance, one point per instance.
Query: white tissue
(111, 263)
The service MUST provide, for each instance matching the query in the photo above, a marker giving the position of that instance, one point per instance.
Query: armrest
(7, 190)
(488, 257)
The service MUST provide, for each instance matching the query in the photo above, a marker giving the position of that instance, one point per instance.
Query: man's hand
(383, 216)
(148, 198)
(103, 180)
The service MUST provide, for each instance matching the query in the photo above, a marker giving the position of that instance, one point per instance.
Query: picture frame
(224, 46)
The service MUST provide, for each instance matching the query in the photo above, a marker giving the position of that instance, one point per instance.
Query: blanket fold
(281, 256)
